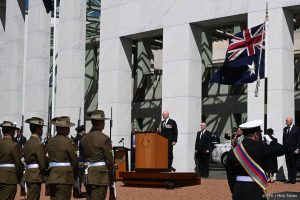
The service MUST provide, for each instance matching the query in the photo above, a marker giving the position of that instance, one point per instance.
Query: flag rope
(259, 61)
(261, 47)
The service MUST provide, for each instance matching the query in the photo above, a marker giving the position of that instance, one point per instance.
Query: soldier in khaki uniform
(35, 158)
(97, 151)
(63, 161)
(11, 168)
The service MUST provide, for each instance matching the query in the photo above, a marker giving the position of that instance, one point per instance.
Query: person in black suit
(203, 148)
(133, 145)
(77, 193)
(169, 130)
(47, 138)
(291, 142)
(271, 162)
(20, 139)
(240, 182)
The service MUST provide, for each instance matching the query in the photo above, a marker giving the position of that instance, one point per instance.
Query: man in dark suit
(133, 145)
(47, 138)
(202, 150)
(169, 130)
(291, 142)
(77, 185)
(20, 139)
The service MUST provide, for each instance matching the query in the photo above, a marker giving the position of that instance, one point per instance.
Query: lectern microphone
(121, 140)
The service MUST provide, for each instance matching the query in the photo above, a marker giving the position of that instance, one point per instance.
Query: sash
(251, 167)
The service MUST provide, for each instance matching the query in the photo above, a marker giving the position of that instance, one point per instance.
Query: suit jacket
(291, 140)
(205, 143)
(46, 140)
(10, 153)
(34, 153)
(20, 141)
(170, 130)
(62, 149)
(258, 152)
(97, 148)
(271, 162)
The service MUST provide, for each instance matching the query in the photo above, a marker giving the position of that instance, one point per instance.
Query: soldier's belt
(244, 178)
(91, 164)
(7, 165)
(32, 166)
(59, 164)
(94, 164)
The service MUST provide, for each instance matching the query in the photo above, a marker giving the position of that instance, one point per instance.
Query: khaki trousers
(33, 191)
(8, 191)
(96, 192)
(60, 191)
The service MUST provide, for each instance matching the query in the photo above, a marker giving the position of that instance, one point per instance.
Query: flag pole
(54, 68)
(266, 67)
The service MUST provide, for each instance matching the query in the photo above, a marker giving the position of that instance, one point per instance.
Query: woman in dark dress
(271, 165)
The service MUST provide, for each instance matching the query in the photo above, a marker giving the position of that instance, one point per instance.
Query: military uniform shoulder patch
(70, 140)
(106, 137)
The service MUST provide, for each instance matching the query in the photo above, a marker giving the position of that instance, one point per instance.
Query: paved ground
(213, 188)
(210, 189)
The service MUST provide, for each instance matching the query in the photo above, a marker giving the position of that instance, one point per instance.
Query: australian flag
(245, 58)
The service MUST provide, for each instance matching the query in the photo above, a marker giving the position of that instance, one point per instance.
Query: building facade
(145, 57)
(187, 29)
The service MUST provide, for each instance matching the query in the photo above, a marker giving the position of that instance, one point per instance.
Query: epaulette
(70, 140)
(106, 136)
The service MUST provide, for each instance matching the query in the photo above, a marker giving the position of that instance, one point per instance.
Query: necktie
(164, 124)
(201, 134)
(288, 130)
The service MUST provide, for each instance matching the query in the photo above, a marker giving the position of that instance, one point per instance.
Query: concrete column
(71, 60)
(37, 63)
(181, 88)
(2, 56)
(280, 62)
(11, 73)
(2, 49)
(2, 34)
(115, 88)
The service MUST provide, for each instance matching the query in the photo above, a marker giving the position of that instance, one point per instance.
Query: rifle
(78, 121)
(78, 183)
(112, 188)
(22, 124)
(110, 123)
(48, 128)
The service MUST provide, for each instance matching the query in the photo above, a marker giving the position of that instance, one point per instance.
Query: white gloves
(267, 139)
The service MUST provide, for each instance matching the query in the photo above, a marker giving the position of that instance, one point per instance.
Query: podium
(121, 160)
(151, 164)
(151, 151)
